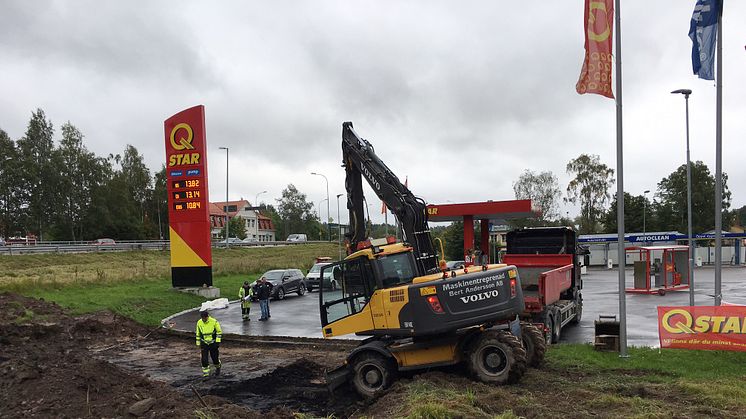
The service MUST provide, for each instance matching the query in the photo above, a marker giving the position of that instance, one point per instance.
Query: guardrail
(122, 246)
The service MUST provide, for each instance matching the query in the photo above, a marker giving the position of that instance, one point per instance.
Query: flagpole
(620, 187)
(719, 157)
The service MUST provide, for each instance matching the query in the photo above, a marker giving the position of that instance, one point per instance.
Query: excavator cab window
(350, 291)
(396, 269)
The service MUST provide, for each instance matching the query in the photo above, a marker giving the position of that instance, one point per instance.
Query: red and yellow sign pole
(188, 202)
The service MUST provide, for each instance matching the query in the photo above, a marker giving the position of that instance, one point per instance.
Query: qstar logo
(184, 143)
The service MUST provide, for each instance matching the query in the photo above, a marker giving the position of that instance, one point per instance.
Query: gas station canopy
(495, 211)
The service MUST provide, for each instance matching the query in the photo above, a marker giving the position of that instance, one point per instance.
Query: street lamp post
(644, 210)
(256, 198)
(686, 93)
(329, 227)
(339, 228)
(319, 212)
(227, 229)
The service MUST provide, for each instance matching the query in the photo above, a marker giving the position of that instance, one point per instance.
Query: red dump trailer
(547, 264)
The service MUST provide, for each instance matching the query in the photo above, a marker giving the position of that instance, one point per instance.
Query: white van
(297, 238)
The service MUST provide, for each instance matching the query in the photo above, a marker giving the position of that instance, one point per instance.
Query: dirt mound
(47, 370)
(298, 387)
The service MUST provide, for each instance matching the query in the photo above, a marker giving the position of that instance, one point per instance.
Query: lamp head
(646, 191)
(685, 92)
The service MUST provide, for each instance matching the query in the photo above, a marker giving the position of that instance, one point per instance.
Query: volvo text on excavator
(414, 313)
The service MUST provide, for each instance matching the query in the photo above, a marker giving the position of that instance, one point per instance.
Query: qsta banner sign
(188, 203)
(703, 327)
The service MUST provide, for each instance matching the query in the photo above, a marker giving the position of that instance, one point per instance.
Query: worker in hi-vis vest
(244, 294)
(209, 336)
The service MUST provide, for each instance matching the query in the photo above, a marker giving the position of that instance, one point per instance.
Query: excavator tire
(534, 344)
(496, 357)
(372, 374)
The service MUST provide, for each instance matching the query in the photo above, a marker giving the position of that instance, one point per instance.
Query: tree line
(664, 210)
(65, 192)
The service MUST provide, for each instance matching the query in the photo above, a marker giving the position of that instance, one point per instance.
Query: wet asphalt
(298, 316)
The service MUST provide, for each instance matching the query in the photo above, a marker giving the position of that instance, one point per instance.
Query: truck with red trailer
(549, 268)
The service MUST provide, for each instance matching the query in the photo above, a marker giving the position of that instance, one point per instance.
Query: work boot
(217, 368)
(206, 372)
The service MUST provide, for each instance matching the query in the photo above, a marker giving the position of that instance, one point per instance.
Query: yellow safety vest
(208, 331)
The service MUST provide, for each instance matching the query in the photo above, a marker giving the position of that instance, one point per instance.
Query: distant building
(258, 227)
(498, 234)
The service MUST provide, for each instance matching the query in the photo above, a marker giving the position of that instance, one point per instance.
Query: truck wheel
(578, 309)
(496, 357)
(534, 344)
(548, 327)
(301, 289)
(578, 314)
(557, 329)
(372, 373)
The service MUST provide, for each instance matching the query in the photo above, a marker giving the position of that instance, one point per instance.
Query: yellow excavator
(415, 313)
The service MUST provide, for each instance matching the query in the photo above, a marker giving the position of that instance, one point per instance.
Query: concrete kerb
(263, 340)
(165, 321)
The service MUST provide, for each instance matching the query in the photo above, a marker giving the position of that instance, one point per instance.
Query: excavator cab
(354, 284)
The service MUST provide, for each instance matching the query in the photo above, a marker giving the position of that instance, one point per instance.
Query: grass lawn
(138, 284)
(575, 381)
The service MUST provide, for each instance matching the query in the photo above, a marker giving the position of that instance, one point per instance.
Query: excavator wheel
(496, 357)
(534, 344)
(372, 374)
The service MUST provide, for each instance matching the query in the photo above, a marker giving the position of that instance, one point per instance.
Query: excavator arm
(360, 160)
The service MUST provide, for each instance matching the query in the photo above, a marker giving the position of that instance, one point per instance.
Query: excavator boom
(360, 160)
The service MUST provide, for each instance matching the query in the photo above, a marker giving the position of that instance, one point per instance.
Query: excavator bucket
(337, 377)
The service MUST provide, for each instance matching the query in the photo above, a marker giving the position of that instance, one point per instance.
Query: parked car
(104, 242)
(455, 264)
(312, 278)
(249, 240)
(297, 238)
(231, 240)
(284, 282)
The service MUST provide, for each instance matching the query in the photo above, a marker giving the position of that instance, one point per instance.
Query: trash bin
(610, 263)
(606, 334)
(699, 260)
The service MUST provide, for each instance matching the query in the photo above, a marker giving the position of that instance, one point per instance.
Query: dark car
(455, 264)
(284, 282)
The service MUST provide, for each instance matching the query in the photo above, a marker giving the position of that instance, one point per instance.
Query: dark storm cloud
(146, 43)
(459, 97)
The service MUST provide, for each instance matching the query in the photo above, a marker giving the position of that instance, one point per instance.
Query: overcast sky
(460, 97)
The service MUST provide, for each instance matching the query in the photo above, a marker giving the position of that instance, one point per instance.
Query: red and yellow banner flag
(703, 327)
(595, 76)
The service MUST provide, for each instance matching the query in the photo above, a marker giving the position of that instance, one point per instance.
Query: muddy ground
(102, 365)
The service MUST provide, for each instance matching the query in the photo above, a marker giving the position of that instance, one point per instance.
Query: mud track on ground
(104, 365)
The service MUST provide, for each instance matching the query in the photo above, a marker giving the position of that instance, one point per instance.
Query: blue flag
(703, 32)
